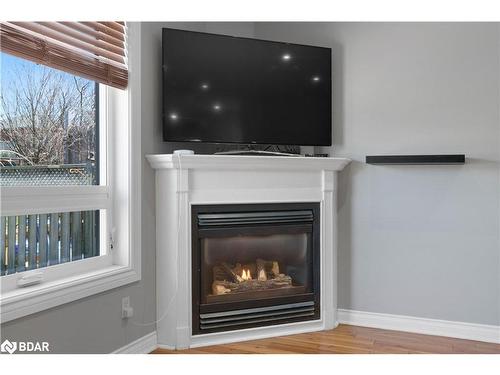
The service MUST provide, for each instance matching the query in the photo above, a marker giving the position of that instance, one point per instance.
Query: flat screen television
(224, 89)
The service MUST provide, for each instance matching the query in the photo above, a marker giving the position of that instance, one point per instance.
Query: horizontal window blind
(93, 50)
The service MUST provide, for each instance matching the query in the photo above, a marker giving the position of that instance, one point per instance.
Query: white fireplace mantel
(186, 180)
(239, 162)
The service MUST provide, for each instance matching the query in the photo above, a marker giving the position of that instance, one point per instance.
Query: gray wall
(415, 240)
(94, 324)
(421, 241)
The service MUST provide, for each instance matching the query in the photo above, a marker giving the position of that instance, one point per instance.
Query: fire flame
(246, 275)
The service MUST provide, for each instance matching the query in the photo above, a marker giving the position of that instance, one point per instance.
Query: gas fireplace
(254, 265)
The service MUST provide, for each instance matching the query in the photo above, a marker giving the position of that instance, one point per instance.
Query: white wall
(415, 240)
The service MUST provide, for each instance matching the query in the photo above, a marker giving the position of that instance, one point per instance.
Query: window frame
(121, 174)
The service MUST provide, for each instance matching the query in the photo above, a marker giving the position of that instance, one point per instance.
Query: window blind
(93, 50)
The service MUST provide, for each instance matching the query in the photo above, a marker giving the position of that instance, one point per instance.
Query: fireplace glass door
(256, 264)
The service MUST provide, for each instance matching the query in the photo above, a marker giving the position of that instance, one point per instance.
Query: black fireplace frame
(312, 298)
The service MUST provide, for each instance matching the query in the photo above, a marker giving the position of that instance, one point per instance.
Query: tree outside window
(47, 118)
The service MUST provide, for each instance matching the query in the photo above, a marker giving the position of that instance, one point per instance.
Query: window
(49, 136)
(66, 160)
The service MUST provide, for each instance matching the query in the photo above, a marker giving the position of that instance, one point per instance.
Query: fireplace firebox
(254, 265)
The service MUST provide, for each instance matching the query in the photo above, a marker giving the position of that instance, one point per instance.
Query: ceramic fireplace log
(269, 266)
(222, 287)
(261, 269)
(230, 272)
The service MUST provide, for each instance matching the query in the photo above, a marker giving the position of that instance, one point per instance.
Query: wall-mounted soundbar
(416, 159)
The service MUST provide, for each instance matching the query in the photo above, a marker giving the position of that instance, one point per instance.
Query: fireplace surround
(254, 265)
(247, 188)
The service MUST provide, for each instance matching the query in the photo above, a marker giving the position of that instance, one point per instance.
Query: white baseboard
(462, 330)
(144, 345)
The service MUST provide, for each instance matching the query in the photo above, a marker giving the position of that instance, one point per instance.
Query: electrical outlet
(127, 311)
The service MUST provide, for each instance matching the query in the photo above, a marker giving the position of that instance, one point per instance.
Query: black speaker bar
(416, 159)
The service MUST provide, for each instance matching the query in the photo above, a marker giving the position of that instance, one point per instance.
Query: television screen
(225, 89)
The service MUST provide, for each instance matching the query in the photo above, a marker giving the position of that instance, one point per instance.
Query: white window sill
(29, 300)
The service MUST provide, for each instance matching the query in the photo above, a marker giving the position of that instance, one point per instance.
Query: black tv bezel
(164, 29)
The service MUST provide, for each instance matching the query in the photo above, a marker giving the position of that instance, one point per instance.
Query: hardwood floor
(347, 339)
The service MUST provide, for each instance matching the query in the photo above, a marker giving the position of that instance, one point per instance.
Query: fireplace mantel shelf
(169, 161)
